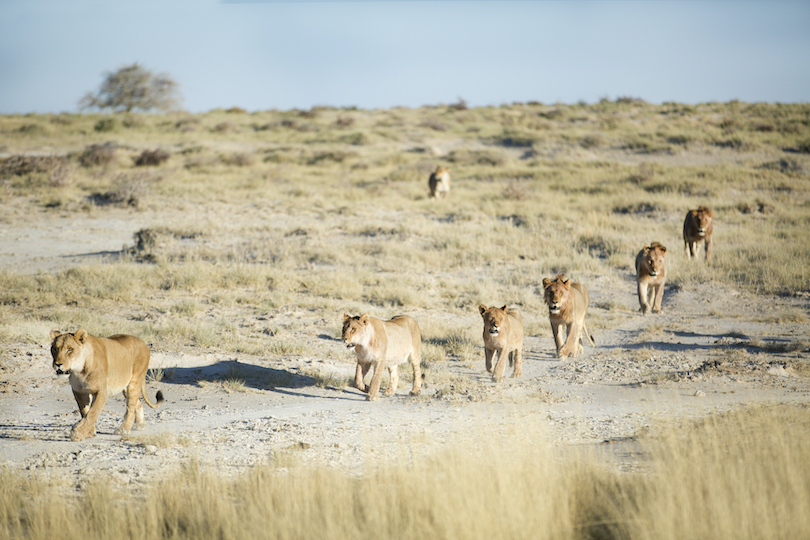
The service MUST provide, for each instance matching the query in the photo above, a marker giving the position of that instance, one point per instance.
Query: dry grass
(329, 215)
(742, 475)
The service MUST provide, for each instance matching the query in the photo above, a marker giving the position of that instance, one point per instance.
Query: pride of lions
(98, 366)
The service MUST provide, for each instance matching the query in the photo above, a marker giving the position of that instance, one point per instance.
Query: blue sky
(379, 54)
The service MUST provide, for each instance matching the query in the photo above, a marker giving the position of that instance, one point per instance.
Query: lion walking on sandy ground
(697, 228)
(383, 344)
(503, 338)
(99, 366)
(439, 182)
(567, 303)
(651, 275)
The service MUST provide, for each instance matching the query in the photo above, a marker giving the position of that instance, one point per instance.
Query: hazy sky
(296, 54)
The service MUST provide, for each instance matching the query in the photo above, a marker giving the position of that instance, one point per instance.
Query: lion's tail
(588, 335)
(158, 398)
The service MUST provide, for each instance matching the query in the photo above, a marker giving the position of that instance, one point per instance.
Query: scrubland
(265, 227)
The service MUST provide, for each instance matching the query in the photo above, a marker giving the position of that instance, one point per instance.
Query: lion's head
(556, 292)
(68, 351)
(494, 319)
(702, 218)
(441, 170)
(653, 258)
(355, 329)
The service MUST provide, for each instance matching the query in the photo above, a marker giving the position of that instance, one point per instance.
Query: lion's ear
(503, 308)
(646, 249)
(364, 318)
(55, 334)
(564, 280)
(710, 213)
(346, 317)
(81, 335)
(662, 248)
(482, 309)
(546, 282)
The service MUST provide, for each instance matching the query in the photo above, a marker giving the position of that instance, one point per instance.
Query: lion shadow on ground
(232, 372)
(56, 431)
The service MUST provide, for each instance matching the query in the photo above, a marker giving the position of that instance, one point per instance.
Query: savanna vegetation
(266, 225)
(709, 479)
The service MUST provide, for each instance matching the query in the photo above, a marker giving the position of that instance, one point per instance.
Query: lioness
(697, 228)
(383, 344)
(503, 335)
(651, 274)
(567, 302)
(439, 182)
(98, 366)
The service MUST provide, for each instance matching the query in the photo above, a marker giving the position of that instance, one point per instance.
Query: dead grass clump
(152, 158)
(787, 166)
(803, 147)
(433, 124)
(238, 159)
(600, 247)
(335, 156)
(22, 165)
(477, 157)
(98, 154)
(186, 125)
(459, 105)
(129, 189)
(344, 121)
(516, 191)
(105, 125)
(224, 127)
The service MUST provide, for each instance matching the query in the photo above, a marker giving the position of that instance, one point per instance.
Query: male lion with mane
(439, 182)
(697, 228)
(99, 366)
(383, 344)
(503, 336)
(651, 274)
(567, 303)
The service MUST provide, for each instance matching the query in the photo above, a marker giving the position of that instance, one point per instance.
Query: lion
(99, 366)
(503, 336)
(567, 303)
(697, 228)
(383, 344)
(439, 182)
(651, 274)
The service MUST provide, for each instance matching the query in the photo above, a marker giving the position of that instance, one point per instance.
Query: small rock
(700, 393)
(151, 449)
(778, 371)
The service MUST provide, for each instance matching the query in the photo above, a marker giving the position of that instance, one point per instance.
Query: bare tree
(133, 88)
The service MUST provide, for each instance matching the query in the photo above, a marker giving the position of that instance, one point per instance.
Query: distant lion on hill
(697, 228)
(439, 182)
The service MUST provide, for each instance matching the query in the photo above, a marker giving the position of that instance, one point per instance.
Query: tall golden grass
(740, 475)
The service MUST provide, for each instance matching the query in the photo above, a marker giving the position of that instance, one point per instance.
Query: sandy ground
(693, 363)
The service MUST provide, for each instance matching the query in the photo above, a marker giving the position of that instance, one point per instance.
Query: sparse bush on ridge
(98, 154)
(152, 158)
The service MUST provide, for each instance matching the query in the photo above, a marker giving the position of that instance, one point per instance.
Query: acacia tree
(133, 88)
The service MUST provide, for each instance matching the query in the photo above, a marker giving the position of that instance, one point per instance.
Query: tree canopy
(133, 88)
